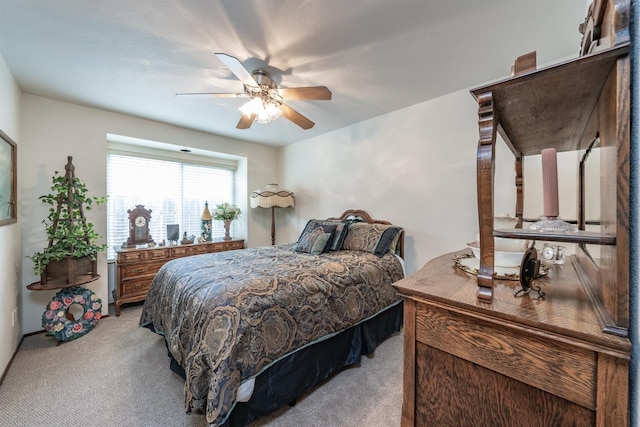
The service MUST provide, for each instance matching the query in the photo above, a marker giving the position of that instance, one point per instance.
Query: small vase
(227, 224)
(205, 220)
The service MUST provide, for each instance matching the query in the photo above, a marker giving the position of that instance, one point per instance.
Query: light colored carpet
(118, 375)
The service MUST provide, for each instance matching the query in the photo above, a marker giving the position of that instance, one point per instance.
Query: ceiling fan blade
(296, 117)
(245, 122)
(214, 95)
(237, 69)
(320, 93)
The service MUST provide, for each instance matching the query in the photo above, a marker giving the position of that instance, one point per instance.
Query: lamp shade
(272, 196)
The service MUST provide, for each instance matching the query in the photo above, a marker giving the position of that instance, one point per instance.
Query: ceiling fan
(267, 101)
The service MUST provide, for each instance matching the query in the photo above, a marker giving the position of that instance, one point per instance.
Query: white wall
(415, 167)
(52, 130)
(10, 333)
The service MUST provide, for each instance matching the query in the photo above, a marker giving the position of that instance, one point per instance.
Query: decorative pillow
(315, 238)
(377, 239)
(393, 248)
(341, 232)
(342, 227)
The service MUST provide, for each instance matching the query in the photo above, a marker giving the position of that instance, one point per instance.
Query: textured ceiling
(375, 56)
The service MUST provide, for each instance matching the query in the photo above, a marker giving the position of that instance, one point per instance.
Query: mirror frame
(8, 179)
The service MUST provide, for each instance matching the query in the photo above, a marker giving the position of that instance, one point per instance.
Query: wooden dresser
(477, 354)
(518, 361)
(137, 267)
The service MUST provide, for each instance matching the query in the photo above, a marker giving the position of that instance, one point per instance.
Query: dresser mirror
(590, 171)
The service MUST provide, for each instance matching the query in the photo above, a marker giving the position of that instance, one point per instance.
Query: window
(174, 190)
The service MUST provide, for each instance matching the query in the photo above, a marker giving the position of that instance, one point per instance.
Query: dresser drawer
(144, 255)
(228, 246)
(514, 353)
(146, 269)
(182, 251)
(135, 287)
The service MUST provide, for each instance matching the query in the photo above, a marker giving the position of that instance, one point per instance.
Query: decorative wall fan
(267, 101)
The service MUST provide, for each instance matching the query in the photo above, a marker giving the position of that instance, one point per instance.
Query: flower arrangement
(226, 212)
(55, 321)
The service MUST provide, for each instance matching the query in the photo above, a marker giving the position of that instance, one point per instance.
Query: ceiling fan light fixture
(267, 101)
(269, 113)
(251, 107)
(264, 112)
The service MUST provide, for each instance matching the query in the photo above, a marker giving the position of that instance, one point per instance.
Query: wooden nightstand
(137, 267)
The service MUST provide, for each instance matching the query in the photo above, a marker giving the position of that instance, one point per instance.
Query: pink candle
(550, 182)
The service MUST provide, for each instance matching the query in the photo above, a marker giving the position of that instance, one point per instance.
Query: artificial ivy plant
(68, 231)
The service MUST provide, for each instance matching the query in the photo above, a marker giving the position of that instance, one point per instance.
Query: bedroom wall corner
(10, 241)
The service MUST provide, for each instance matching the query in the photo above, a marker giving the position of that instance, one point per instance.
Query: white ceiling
(375, 56)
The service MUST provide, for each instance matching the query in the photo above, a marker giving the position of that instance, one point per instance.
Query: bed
(251, 330)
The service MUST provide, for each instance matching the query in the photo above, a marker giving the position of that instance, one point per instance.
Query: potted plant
(227, 213)
(72, 252)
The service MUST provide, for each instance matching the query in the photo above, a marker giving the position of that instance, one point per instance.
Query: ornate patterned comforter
(228, 316)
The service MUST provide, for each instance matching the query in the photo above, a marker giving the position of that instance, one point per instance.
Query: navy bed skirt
(290, 377)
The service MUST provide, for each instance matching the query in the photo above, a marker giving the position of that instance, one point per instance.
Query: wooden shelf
(586, 237)
(62, 283)
(555, 96)
(564, 106)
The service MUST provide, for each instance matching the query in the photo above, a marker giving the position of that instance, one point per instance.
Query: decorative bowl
(504, 221)
(500, 258)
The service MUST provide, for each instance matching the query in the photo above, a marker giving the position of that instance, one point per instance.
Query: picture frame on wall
(8, 180)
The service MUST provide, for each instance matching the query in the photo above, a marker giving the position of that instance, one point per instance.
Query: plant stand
(70, 271)
(70, 228)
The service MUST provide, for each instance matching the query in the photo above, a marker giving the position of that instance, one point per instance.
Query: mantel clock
(139, 219)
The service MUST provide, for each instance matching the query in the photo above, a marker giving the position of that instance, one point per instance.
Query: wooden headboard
(364, 216)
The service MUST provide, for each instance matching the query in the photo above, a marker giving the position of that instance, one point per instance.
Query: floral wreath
(55, 321)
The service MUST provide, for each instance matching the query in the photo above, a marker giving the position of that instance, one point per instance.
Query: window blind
(175, 192)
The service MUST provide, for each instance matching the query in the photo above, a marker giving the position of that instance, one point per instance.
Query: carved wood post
(519, 164)
(485, 174)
